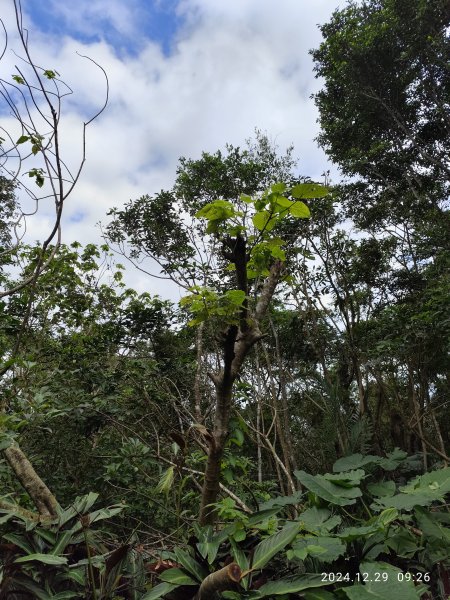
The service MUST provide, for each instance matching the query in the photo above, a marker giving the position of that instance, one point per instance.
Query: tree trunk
(42, 497)
(238, 342)
(220, 581)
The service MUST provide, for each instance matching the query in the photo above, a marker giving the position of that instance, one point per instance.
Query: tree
(384, 106)
(231, 260)
(34, 98)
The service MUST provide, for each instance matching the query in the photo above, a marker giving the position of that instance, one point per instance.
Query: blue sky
(185, 76)
(158, 20)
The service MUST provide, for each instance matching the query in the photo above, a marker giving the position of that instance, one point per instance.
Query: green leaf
(348, 479)
(283, 202)
(382, 589)
(319, 520)
(158, 591)
(431, 527)
(270, 546)
(83, 503)
(327, 490)
(166, 481)
(387, 516)
(403, 543)
(354, 533)
(50, 74)
(434, 481)
(355, 461)
(420, 491)
(240, 559)
(18, 79)
(23, 139)
(278, 188)
(62, 543)
(405, 501)
(47, 559)
(309, 190)
(19, 541)
(190, 564)
(219, 210)
(299, 210)
(177, 577)
(236, 297)
(264, 220)
(383, 488)
(280, 501)
(6, 517)
(324, 548)
(290, 586)
(262, 515)
(24, 583)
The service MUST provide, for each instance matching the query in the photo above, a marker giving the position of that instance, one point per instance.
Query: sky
(185, 76)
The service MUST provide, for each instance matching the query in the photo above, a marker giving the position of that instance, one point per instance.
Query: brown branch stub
(220, 581)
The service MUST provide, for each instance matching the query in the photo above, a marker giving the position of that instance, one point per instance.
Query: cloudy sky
(185, 76)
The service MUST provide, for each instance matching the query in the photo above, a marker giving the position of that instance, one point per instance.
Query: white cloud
(236, 65)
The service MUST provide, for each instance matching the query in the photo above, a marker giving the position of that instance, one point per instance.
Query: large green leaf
(431, 527)
(290, 586)
(264, 220)
(177, 577)
(62, 543)
(327, 490)
(377, 588)
(403, 543)
(19, 540)
(348, 479)
(280, 501)
(24, 583)
(309, 190)
(319, 520)
(270, 546)
(262, 515)
(159, 591)
(236, 297)
(47, 559)
(324, 548)
(355, 461)
(218, 210)
(190, 564)
(420, 496)
(383, 488)
(83, 503)
(241, 559)
(437, 482)
(404, 501)
(354, 533)
(300, 210)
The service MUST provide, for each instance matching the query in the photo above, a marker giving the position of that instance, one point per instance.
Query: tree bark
(238, 342)
(220, 581)
(42, 497)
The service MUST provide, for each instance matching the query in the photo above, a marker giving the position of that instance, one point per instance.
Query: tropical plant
(360, 533)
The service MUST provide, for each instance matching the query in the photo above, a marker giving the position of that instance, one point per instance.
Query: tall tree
(384, 108)
(231, 259)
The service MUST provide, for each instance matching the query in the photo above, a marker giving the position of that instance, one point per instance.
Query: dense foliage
(284, 431)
